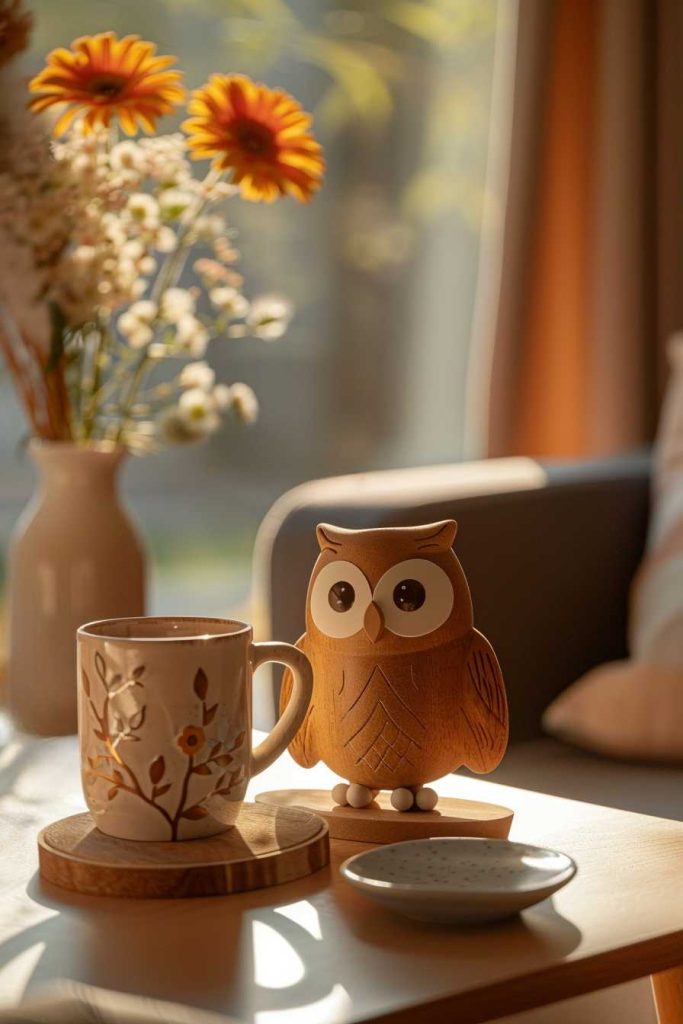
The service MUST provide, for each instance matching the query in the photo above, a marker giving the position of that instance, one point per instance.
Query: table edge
(523, 992)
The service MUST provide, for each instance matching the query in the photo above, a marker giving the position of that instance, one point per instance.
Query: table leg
(667, 988)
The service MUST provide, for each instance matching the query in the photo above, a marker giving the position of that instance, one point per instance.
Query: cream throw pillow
(634, 709)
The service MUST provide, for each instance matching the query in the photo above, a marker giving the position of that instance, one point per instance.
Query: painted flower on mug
(191, 740)
(116, 717)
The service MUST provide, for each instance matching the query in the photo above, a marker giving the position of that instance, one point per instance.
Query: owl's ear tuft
(436, 536)
(330, 538)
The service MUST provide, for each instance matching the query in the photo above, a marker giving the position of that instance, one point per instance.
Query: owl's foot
(402, 799)
(426, 798)
(353, 795)
(421, 798)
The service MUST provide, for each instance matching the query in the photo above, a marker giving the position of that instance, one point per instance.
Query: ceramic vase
(74, 556)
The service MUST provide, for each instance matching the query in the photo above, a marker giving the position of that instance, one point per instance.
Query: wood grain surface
(405, 689)
(267, 846)
(317, 952)
(380, 823)
(668, 992)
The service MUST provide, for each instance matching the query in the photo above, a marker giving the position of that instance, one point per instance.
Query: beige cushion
(634, 709)
(625, 709)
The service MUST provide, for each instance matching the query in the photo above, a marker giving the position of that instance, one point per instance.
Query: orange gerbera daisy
(191, 739)
(104, 77)
(261, 135)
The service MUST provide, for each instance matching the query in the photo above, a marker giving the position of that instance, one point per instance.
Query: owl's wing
(303, 747)
(484, 707)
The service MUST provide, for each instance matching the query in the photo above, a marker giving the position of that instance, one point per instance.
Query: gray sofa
(549, 551)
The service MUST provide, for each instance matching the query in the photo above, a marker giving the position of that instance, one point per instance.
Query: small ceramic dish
(458, 880)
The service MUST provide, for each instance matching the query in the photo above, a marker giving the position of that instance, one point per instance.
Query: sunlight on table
(276, 964)
(333, 1007)
(305, 915)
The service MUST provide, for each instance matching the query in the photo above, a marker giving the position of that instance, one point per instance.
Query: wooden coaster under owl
(405, 689)
(380, 823)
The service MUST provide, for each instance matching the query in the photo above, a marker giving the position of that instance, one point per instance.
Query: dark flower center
(254, 138)
(107, 86)
(191, 741)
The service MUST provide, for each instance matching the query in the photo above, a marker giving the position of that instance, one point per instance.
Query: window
(381, 266)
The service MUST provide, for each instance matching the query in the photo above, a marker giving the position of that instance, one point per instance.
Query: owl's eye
(416, 597)
(409, 595)
(339, 598)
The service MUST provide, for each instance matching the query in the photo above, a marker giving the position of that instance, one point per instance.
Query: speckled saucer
(459, 880)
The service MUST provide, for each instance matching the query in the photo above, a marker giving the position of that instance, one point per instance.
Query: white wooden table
(316, 951)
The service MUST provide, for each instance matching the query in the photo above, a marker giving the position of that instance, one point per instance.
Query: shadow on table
(540, 930)
(477, 958)
(196, 951)
(275, 955)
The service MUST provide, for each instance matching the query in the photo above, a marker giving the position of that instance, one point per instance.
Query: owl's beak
(373, 622)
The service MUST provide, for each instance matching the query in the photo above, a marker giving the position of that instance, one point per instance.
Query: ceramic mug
(164, 720)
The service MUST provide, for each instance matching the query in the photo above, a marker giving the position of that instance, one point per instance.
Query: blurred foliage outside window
(381, 266)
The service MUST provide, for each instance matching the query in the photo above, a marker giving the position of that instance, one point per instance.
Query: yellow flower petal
(259, 134)
(64, 121)
(104, 77)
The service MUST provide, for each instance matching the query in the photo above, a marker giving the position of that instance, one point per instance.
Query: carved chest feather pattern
(377, 713)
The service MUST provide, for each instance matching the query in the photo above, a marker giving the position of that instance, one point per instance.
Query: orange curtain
(551, 414)
(590, 253)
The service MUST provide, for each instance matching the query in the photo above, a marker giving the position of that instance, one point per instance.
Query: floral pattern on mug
(120, 719)
(191, 740)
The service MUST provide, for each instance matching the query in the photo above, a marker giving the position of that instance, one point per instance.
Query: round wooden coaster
(267, 845)
(380, 823)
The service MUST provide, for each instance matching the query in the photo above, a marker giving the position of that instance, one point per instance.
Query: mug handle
(289, 722)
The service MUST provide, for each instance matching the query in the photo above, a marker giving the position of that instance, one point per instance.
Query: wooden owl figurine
(405, 689)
